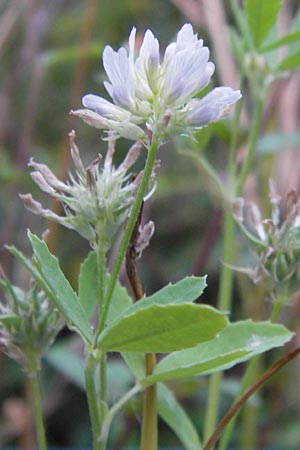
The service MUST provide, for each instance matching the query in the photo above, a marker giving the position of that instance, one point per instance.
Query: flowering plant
(163, 95)
(153, 99)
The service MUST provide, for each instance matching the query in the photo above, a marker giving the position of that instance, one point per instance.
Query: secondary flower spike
(97, 200)
(158, 94)
(276, 242)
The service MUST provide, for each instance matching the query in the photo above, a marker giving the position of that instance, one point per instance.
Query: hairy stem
(38, 412)
(101, 264)
(117, 406)
(92, 400)
(149, 434)
(129, 229)
(254, 134)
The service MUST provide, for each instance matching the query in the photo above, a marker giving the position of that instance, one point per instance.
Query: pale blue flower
(210, 108)
(158, 94)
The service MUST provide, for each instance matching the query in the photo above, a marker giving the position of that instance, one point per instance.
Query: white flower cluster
(160, 94)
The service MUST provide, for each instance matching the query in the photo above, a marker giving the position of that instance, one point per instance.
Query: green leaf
(184, 291)
(174, 415)
(88, 286)
(120, 302)
(64, 297)
(29, 266)
(261, 16)
(290, 62)
(236, 343)
(163, 328)
(287, 39)
(10, 320)
(88, 290)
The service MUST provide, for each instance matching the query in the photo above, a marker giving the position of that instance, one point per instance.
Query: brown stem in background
(214, 14)
(77, 88)
(235, 408)
(149, 423)
(131, 256)
(209, 238)
(33, 18)
(191, 9)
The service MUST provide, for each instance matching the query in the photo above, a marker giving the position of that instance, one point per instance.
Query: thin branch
(235, 408)
(149, 424)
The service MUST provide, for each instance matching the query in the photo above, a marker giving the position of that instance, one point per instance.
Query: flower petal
(211, 108)
(186, 74)
(91, 118)
(105, 108)
(116, 65)
(186, 39)
(131, 43)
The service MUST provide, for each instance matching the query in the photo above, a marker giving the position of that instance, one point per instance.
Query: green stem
(92, 400)
(277, 307)
(102, 385)
(210, 172)
(224, 304)
(149, 434)
(129, 229)
(254, 134)
(226, 280)
(114, 410)
(247, 380)
(101, 263)
(38, 412)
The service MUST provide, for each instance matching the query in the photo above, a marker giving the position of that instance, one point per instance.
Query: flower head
(276, 244)
(97, 202)
(159, 94)
(28, 323)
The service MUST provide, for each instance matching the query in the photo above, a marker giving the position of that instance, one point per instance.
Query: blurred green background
(50, 57)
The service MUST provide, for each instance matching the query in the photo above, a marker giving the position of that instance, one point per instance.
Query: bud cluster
(276, 244)
(97, 202)
(28, 323)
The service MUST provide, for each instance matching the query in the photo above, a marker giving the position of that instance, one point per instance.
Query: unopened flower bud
(277, 246)
(28, 323)
(145, 234)
(97, 201)
(294, 242)
(282, 268)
